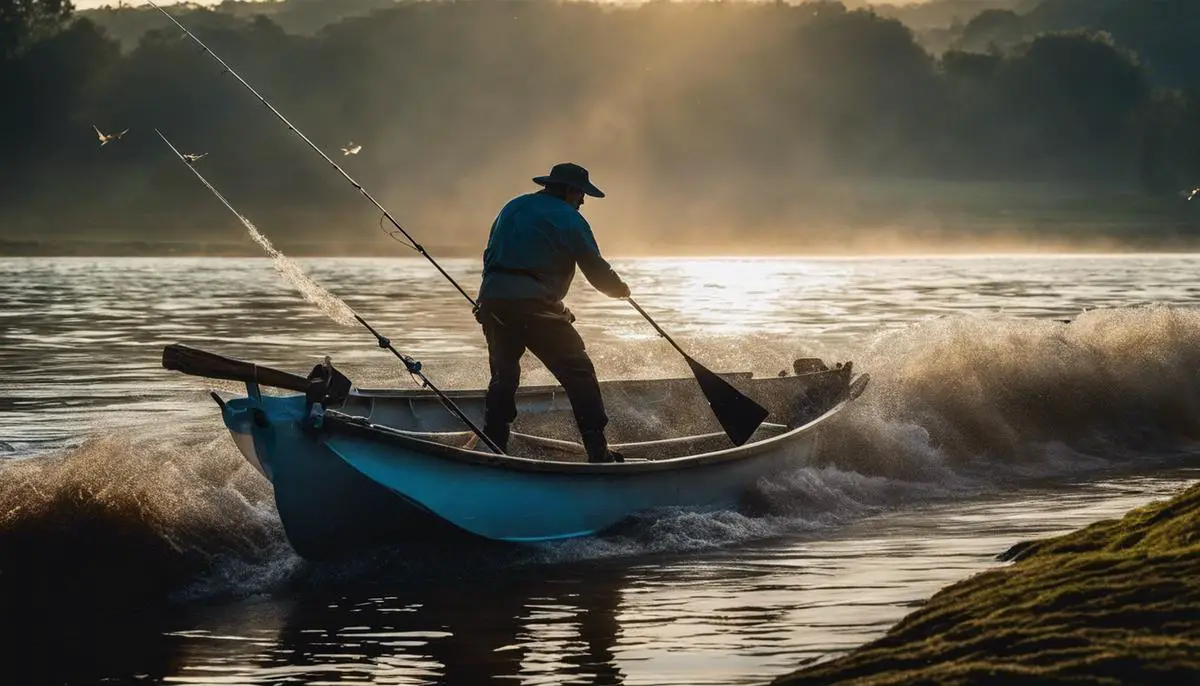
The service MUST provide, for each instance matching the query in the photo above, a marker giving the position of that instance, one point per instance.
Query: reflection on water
(495, 627)
(724, 617)
(846, 554)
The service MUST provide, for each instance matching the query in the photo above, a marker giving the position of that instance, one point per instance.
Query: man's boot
(498, 434)
(597, 448)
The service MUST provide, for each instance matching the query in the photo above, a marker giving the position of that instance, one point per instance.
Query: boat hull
(344, 483)
(518, 506)
(328, 508)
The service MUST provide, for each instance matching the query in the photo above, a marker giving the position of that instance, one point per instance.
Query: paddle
(738, 414)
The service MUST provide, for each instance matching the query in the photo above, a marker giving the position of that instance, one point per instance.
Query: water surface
(987, 422)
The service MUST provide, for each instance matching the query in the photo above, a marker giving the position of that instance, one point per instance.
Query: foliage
(990, 29)
(1161, 32)
(24, 22)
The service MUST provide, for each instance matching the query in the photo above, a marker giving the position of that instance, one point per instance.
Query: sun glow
(725, 297)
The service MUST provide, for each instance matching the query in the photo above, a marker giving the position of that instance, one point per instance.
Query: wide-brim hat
(570, 174)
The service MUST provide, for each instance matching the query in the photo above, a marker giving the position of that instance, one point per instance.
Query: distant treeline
(1163, 33)
(938, 20)
(692, 111)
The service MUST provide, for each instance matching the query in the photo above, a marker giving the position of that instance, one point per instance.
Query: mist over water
(984, 412)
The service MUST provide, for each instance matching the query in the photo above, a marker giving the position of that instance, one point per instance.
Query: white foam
(310, 290)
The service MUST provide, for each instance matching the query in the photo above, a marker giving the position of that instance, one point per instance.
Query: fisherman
(534, 246)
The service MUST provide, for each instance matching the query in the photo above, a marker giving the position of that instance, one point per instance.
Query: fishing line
(393, 234)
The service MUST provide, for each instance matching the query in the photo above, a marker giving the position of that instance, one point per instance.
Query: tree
(991, 27)
(1078, 93)
(867, 85)
(25, 22)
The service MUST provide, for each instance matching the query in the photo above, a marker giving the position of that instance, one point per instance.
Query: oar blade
(738, 414)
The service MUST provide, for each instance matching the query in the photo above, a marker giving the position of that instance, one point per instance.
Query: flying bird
(105, 138)
(192, 158)
(351, 149)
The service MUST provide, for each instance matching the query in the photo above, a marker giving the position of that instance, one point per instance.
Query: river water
(136, 546)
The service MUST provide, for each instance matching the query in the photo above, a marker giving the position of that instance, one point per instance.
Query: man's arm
(598, 271)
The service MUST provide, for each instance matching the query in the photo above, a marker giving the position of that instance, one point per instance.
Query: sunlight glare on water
(746, 292)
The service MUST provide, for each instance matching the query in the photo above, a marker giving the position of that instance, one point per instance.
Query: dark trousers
(514, 326)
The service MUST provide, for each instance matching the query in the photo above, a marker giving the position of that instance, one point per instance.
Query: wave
(131, 517)
(956, 406)
(965, 405)
(990, 398)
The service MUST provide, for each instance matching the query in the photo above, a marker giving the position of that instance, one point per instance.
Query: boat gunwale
(544, 389)
(337, 421)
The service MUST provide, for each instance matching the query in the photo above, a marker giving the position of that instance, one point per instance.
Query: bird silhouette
(351, 149)
(106, 138)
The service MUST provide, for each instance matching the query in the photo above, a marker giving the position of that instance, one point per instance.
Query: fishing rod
(413, 366)
(291, 127)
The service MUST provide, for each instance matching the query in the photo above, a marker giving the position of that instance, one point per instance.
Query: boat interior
(648, 419)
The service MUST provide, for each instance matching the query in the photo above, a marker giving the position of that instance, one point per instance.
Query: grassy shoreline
(1115, 603)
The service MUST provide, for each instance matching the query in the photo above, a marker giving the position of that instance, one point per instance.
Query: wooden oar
(738, 414)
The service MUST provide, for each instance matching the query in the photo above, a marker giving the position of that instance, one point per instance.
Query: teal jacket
(535, 244)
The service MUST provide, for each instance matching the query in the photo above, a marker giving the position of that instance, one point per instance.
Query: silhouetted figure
(535, 244)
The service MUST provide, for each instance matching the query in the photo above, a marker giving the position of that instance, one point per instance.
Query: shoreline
(1113, 603)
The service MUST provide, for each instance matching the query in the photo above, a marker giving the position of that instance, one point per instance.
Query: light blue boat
(394, 466)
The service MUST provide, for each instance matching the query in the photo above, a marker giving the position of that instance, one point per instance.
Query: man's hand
(621, 291)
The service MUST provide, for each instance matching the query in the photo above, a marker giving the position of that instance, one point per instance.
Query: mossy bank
(1115, 603)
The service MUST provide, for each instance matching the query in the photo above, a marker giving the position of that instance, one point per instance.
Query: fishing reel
(327, 387)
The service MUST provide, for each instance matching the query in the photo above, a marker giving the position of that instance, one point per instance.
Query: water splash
(1009, 397)
(310, 290)
(143, 512)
